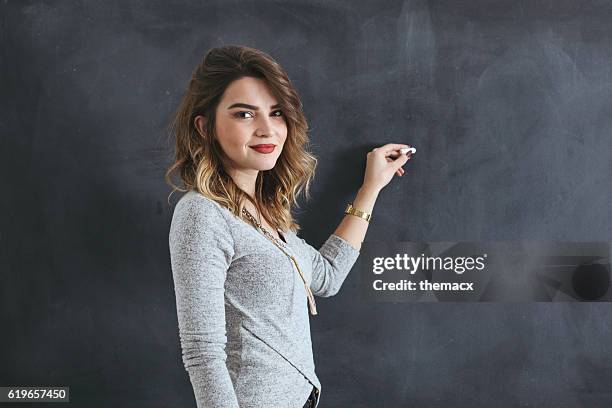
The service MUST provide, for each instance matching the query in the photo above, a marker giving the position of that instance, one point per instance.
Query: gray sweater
(242, 310)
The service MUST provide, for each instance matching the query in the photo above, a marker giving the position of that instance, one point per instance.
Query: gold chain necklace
(281, 245)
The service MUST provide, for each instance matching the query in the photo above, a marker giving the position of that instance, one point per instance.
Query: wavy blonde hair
(199, 158)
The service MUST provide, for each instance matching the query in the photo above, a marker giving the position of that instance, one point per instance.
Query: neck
(245, 179)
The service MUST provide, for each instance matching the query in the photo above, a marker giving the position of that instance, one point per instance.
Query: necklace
(281, 245)
(263, 230)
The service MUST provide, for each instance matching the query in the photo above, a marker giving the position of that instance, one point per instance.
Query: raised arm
(333, 261)
(380, 168)
(201, 249)
(353, 229)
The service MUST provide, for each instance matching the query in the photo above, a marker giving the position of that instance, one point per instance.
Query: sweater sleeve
(330, 264)
(201, 250)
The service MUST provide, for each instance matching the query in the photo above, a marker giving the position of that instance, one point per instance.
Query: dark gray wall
(509, 104)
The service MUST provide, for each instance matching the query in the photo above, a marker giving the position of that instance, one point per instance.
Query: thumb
(400, 161)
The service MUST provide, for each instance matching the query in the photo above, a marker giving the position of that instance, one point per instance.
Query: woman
(244, 281)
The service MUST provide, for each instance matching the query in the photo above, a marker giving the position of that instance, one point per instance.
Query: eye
(278, 113)
(239, 114)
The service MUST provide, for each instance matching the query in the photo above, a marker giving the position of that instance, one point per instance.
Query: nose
(265, 127)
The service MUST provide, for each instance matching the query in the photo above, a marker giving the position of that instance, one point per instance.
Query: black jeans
(312, 398)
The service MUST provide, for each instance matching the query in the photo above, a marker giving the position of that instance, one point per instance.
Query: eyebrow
(247, 106)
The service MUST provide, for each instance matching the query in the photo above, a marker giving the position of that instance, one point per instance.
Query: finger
(391, 159)
(394, 154)
(399, 162)
(391, 148)
(408, 156)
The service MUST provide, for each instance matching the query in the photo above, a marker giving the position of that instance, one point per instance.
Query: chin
(269, 166)
(265, 164)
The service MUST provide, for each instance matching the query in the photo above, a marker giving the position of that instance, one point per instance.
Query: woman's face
(247, 116)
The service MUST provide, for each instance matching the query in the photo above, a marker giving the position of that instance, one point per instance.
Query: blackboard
(509, 104)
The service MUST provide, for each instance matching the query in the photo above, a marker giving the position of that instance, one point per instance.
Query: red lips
(263, 148)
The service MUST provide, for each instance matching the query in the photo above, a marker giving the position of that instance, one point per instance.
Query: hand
(380, 167)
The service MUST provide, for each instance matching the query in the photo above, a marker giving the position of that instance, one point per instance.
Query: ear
(200, 124)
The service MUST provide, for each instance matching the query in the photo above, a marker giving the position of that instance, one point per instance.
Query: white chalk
(405, 150)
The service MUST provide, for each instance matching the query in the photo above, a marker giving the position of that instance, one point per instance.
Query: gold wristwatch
(358, 213)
